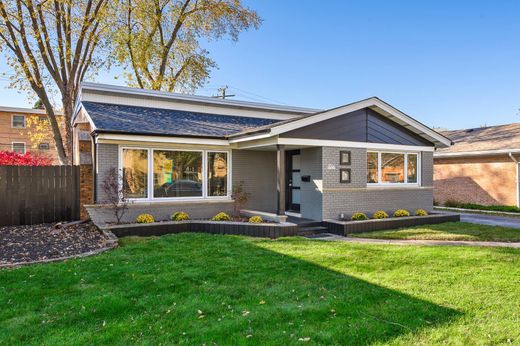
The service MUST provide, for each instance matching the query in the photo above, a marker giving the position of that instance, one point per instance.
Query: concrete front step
(310, 230)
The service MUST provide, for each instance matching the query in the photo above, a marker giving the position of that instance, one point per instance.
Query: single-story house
(180, 152)
(482, 166)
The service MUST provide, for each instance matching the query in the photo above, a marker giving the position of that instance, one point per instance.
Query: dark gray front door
(292, 181)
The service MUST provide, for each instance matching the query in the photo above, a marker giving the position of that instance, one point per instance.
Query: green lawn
(448, 231)
(198, 289)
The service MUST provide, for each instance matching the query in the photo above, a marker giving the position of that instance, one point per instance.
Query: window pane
(372, 168)
(18, 121)
(217, 174)
(135, 172)
(392, 168)
(19, 148)
(43, 146)
(177, 173)
(412, 168)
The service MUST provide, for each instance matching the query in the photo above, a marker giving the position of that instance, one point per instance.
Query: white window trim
(24, 121)
(24, 147)
(150, 197)
(380, 182)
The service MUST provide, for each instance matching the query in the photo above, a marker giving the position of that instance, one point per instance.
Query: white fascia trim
(25, 110)
(371, 102)
(477, 153)
(159, 139)
(347, 144)
(250, 138)
(196, 99)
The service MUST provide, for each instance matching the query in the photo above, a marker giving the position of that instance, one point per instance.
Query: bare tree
(116, 194)
(51, 46)
(240, 198)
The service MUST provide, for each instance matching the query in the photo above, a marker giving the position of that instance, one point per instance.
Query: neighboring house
(27, 130)
(481, 167)
(186, 153)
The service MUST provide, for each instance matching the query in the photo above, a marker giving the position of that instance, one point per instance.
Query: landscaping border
(347, 227)
(112, 243)
(478, 211)
(265, 230)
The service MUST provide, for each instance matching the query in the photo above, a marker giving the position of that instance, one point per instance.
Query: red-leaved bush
(10, 158)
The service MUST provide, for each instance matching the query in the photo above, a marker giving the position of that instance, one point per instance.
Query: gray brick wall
(257, 171)
(352, 197)
(162, 211)
(311, 196)
(107, 157)
(427, 168)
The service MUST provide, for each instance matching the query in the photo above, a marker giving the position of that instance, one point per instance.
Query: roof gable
(373, 103)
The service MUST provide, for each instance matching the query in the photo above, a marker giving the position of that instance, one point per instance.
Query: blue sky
(451, 64)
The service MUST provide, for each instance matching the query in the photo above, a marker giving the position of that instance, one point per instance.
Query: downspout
(517, 178)
(94, 167)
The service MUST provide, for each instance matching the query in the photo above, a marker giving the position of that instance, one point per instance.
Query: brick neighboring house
(481, 167)
(24, 130)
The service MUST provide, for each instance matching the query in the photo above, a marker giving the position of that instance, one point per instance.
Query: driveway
(492, 220)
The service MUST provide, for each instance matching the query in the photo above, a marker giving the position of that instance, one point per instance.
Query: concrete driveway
(492, 220)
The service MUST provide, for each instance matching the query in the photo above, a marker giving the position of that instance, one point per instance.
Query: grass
(448, 231)
(497, 208)
(206, 289)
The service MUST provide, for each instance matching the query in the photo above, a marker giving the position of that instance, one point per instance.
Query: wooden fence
(30, 195)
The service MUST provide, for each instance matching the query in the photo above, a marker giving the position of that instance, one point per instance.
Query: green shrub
(221, 217)
(498, 208)
(421, 212)
(451, 203)
(144, 218)
(180, 216)
(380, 214)
(359, 217)
(401, 213)
(256, 219)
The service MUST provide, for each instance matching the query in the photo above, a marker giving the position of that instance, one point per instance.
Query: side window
(18, 121)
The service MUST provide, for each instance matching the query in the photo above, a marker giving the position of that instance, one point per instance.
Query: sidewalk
(329, 236)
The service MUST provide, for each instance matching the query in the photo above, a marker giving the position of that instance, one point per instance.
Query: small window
(18, 121)
(19, 147)
(43, 118)
(43, 146)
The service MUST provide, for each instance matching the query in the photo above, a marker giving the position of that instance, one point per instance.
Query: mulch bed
(43, 242)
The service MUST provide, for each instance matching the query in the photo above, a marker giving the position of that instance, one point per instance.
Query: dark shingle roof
(484, 138)
(156, 121)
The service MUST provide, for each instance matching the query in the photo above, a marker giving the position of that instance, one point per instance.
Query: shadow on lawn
(157, 291)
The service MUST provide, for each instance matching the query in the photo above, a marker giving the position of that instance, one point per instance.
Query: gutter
(512, 156)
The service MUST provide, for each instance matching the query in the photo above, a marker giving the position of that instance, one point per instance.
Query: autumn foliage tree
(159, 40)
(10, 158)
(51, 46)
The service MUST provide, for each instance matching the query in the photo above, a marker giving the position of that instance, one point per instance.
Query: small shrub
(144, 218)
(380, 214)
(359, 217)
(451, 203)
(256, 219)
(421, 212)
(221, 217)
(401, 213)
(180, 216)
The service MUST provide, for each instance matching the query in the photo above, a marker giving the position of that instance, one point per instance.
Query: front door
(292, 180)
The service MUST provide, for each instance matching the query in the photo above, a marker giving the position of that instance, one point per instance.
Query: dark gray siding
(364, 125)
(257, 171)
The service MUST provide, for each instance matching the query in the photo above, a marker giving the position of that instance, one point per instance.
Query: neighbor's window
(392, 168)
(43, 146)
(177, 173)
(217, 174)
(372, 167)
(18, 121)
(19, 147)
(135, 172)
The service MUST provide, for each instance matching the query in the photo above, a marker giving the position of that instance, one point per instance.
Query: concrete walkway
(329, 236)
